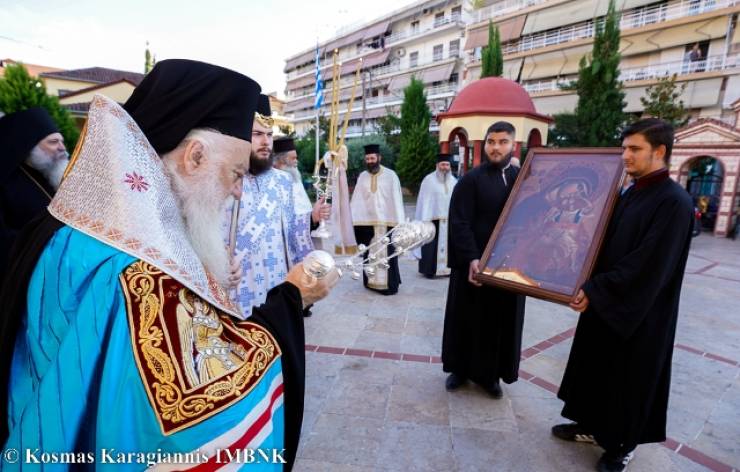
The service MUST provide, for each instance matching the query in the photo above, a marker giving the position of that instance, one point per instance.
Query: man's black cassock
(618, 376)
(482, 336)
(364, 235)
(428, 261)
(24, 194)
(281, 315)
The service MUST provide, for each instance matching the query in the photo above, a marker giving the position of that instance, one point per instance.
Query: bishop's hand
(312, 289)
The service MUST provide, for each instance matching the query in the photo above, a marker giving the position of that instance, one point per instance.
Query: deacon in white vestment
(377, 207)
(433, 205)
(273, 234)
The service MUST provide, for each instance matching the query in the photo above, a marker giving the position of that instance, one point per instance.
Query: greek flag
(319, 100)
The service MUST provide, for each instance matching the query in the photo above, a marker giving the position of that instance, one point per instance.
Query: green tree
(389, 127)
(492, 56)
(306, 146)
(19, 91)
(149, 59)
(599, 113)
(418, 147)
(662, 101)
(565, 130)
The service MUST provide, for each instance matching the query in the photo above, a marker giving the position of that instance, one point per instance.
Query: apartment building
(422, 40)
(543, 41)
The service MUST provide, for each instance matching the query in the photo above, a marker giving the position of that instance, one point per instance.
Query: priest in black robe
(483, 325)
(33, 161)
(121, 334)
(618, 376)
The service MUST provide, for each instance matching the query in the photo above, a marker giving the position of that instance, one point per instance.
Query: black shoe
(614, 462)
(307, 313)
(454, 382)
(494, 390)
(572, 432)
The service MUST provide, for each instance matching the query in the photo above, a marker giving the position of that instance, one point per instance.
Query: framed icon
(547, 239)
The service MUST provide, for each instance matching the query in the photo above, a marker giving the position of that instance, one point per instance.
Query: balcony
(380, 101)
(503, 8)
(634, 18)
(652, 72)
(667, 69)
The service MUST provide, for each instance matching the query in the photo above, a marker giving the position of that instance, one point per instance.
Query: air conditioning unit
(400, 52)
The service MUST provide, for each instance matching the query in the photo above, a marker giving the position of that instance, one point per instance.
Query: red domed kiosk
(481, 104)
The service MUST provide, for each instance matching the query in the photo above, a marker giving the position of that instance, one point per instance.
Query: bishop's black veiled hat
(179, 95)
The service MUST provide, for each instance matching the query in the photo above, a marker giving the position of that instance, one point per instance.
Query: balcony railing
(503, 8)
(666, 69)
(652, 72)
(634, 18)
(440, 89)
(384, 100)
(389, 41)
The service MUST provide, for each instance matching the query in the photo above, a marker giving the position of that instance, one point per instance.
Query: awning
(348, 68)
(438, 74)
(376, 30)
(555, 104)
(299, 104)
(508, 30)
(375, 59)
(574, 12)
(302, 82)
(369, 114)
(400, 82)
(476, 38)
(512, 69)
(297, 61)
(553, 64)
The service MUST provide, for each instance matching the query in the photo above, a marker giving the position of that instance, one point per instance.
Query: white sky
(252, 37)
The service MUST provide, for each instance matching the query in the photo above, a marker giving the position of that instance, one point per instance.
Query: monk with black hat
(33, 162)
(433, 205)
(130, 341)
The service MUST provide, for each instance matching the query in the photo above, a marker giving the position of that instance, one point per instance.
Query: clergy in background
(433, 204)
(482, 335)
(272, 235)
(121, 335)
(377, 207)
(285, 158)
(618, 376)
(33, 162)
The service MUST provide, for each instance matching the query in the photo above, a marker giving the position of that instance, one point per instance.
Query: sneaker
(614, 462)
(494, 390)
(454, 382)
(572, 432)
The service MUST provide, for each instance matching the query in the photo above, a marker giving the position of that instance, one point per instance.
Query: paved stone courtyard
(375, 396)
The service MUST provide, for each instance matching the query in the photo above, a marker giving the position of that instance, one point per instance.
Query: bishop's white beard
(204, 211)
(295, 173)
(51, 167)
(442, 176)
